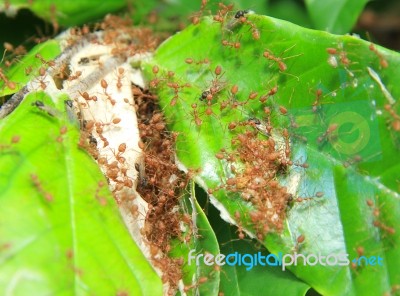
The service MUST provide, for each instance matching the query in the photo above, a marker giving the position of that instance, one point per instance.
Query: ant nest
(123, 131)
(252, 167)
(131, 151)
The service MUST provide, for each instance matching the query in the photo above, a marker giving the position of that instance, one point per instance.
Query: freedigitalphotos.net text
(283, 260)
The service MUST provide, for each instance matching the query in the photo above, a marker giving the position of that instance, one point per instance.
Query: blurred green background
(379, 21)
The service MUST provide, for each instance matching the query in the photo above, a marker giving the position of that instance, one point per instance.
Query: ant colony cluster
(122, 127)
(256, 180)
(259, 151)
(121, 120)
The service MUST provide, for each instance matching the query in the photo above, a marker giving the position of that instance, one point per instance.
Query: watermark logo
(282, 260)
(344, 130)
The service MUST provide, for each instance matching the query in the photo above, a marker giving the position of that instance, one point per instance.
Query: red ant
(285, 134)
(395, 122)
(239, 225)
(355, 159)
(384, 227)
(222, 12)
(120, 76)
(241, 16)
(268, 55)
(196, 16)
(10, 84)
(15, 139)
(376, 213)
(199, 62)
(76, 76)
(99, 131)
(283, 110)
(42, 77)
(104, 85)
(318, 94)
(299, 242)
(86, 96)
(195, 114)
(270, 93)
(328, 133)
(382, 60)
(235, 45)
(331, 50)
(43, 61)
(102, 200)
(28, 70)
(317, 194)
(278, 60)
(176, 88)
(332, 59)
(38, 185)
(216, 87)
(53, 18)
(344, 60)
(261, 126)
(232, 99)
(303, 165)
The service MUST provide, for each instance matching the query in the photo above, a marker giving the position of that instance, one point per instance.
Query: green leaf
(202, 240)
(66, 13)
(260, 7)
(182, 11)
(291, 11)
(61, 231)
(335, 16)
(338, 95)
(26, 69)
(251, 280)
